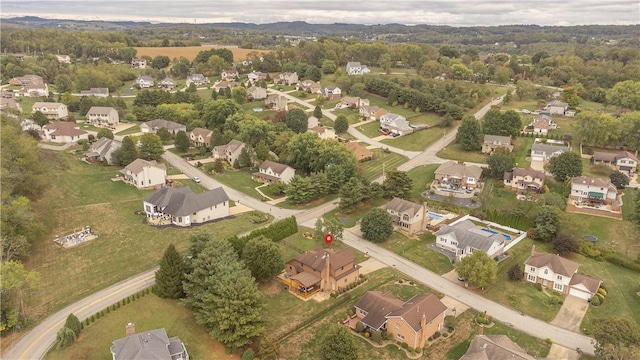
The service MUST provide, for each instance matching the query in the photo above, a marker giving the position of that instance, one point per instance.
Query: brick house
(200, 137)
(322, 269)
(522, 180)
(492, 142)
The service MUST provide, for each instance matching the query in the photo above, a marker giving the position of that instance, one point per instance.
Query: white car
(525, 111)
(196, 179)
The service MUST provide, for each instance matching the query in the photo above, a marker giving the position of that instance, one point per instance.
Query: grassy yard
(296, 244)
(350, 219)
(628, 199)
(417, 251)
(456, 152)
(521, 150)
(351, 114)
(132, 130)
(372, 169)
(417, 141)
(370, 129)
(375, 100)
(147, 313)
(84, 195)
(421, 178)
(430, 119)
(239, 180)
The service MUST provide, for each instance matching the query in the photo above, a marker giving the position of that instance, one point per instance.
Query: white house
(101, 150)
(286, 78)
(395, 123)
(324, 132)
(585, 188)
(167, 84)
(559, 274)
(53, 111)
(355, 68)
(144, 81)
(103, 116)
(544, 152)
(145, 174)
(229, 152)
(154, 125)
(331, 92)
(229, 75)
(63, 59)
(352, 102)
(271, 171)
(138, 63)
(64, 132)
(197, 80)
(97, 92)
(256, 93)
(465, 237)
(372, 112)
(256, 76)
(556, 107)
(184, 208)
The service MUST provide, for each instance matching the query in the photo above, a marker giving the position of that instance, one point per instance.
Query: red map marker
(328, 239)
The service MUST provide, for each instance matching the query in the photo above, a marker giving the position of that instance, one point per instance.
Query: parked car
(196, 179)
(461, 278)
(525, 111)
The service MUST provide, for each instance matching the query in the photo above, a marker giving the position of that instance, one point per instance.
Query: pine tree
(74, 324)
(126, 153)
(170, 276)
(182, 141)
(263, 258)
(65, 337)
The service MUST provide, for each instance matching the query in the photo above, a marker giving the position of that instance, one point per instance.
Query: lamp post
(444, 138)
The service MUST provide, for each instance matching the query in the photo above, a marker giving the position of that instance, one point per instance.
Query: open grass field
(349, 219)
(456, 152)
(370, 129)
(421, 178)
(351, 114)
(521, 151)
(240, 180)
(147, 313)
(416, 250)
(190, 52)
(84, 195)
(417, 141)
(372, 169)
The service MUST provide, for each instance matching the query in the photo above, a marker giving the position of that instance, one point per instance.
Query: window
(557, 286)
(362, 312)
(345, 281)
(531, 278)
(147, 208)
(559, 277)
(400, 337)
(397, 325)
(546, 271)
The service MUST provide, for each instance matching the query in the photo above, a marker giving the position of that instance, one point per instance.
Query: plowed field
(190, 52)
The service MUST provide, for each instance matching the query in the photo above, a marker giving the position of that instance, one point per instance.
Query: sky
(409, 12)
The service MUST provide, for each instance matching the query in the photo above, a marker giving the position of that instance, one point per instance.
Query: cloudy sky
(436, 12)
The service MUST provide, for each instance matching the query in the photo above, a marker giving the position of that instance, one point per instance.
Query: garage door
(579, 293)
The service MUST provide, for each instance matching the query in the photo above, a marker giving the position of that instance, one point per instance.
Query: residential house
(322, 269)
(559, 274)
(144, 81)
(97, 92)
(495, 347)
(167, 84)
(331, 92)
(256, 93)
(64, 132)
(101, 150)
(359, 151)
(276, 102)
(412, 322)
(9, 104)
(271, 171)
(154, 125)
(324, 132)
(145, 174)
(309, 86)
(464, 237)
(184, 208)
(197, 80)
(4, 94)
(53, 111)
(28, 124)
(154, 344)
(33, 90)
(544, 152)
(372, 112)
(138, 63)
(396, 124)
(26, 80)
(592, 189)
(457, 175)
(492, 142)
(352, 103)
(541, 124)
(522, 180)
(200, 137)
(312, 122)
(229, 152)
(220, 86)
(355, 68)
(286, 78)
(63, 59)
(407, 216)
(556, 107)
(229, 75)
(103, 116)
(256, 76)
(623, 161)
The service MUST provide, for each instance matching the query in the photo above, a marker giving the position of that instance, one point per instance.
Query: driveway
(558, 352)
(537, 165)
(370, 265)
(571, 313)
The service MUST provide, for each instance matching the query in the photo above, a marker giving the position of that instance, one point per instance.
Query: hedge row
(276, 231)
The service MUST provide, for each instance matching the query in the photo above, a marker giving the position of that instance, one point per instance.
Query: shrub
(367, 335)
(359, 327)
(539, 286)
(93, 318)
(515, 273)
(418, 350)
(436, 335)
(599, 296)
(376, 336)
(108, 309)
(128, 300)
(602, 292)
(445, 335)
(450, 321)
(595, 300)
(405, 345)
(549, 341)
(113, 307)
(248, 354)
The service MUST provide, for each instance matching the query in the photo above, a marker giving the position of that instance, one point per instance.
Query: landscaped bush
(359, 326)
(376, 336)
(539, 286)
(602, 292)
(515, 273)
(418, 350)
(599, 296)
(445, 335)
(405, 345)
(620, 260)
(553, 300)
(549, 341)
(450, 321)
(595, 300)
(367, 335)
(437, 334)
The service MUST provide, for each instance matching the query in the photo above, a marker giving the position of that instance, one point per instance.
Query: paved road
(527, 324)
(36, 343)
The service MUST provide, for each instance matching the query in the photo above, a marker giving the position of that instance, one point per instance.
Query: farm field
(190, 52)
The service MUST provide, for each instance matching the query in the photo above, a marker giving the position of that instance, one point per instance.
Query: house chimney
(130, 329)
(533, 249)
(481, 330)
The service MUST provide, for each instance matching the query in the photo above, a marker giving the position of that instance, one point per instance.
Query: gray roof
(378, 305)
(99, 110)
(495, 347)
(182, 202)
(467, 234)
(150, 345)
(505, 140)
(403, 206)
(162, 123)
(549, 149)
(138, 164)
(275, 167)
(104, 145)
(456, 169)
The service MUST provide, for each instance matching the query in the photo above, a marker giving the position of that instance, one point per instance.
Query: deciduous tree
(182, 142)
(565, 166)
(478, 268)
(104, 132)
(564, 244)
(619, 179)
(263, 258)
(376, 226)
(338, 344)
(397, 184)
(125, 154)
(239, 95)
(546, 223)
(150, 147)
(40, 118)
(170, 275)
(341, 124)
(297, 120)
(65, 338)
(616, 333)
(469, 134)
(500, 161)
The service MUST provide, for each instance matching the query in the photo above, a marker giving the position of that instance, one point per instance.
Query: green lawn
(517, 105)
(417, 141)
(132, 130)
(430, 119)
(308, 205)
(370, 129)
(456, 152)
(147, 313)
(628, 198)
(417, 251)
(372, 169)
(296, 244)
(350, 219)
(351, 114)
(84, 195)
(521, 147)
(375, 100)
(421, 178)
(240, 180)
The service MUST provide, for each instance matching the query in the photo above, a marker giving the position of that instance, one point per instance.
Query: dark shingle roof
(495, 347)
(182, 202)
(403, 206)
(590, 283)
(378, 305)
(556, 263)
(426, 306)
(316, 259)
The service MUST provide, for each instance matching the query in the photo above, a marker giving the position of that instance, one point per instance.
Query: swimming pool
(506, 237)
(434, 216)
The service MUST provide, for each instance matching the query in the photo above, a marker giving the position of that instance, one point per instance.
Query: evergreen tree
(74, 324)
(263, 258)
(317, 112)
(224, 296)
(341, 124)
(64, 338)
(469, 134)
(397, 184)
(171, 274)
(182, 141)
(126, 153)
